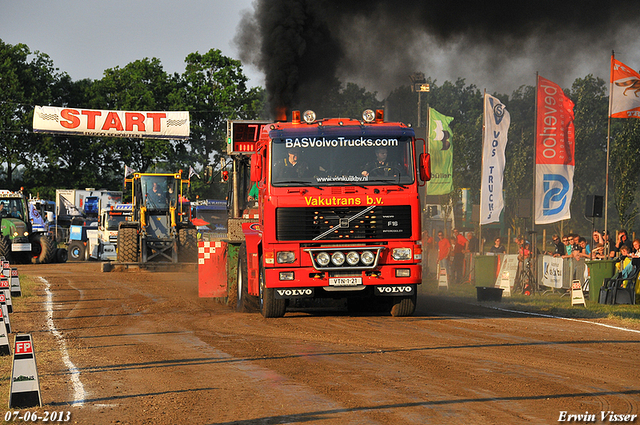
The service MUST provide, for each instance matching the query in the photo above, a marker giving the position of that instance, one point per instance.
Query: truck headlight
(401, 254)
(285, 257)
(337, 258)
(367, 258)
(323, 259)
(353, 258)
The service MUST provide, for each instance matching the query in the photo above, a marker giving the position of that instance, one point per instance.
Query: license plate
(345, 281)
(24, 247)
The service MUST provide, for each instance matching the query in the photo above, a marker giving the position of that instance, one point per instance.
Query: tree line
(214, 89)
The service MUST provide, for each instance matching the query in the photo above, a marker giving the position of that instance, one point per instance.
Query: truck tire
(128, 245)
(187, 245)
(269, 305)
(43, 249)
(61, 255)
(5, 249)
(246, 303)
(404, 306)
(76, 251)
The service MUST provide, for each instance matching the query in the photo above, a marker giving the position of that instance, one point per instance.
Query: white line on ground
(564, 318)
(78, 388)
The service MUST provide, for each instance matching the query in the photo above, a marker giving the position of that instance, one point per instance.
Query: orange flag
(625, 91)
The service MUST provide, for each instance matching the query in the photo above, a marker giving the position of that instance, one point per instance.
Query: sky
(383, 43)
(83, 38)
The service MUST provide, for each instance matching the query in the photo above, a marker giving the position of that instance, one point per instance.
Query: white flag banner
(496, 127)
(96, 122)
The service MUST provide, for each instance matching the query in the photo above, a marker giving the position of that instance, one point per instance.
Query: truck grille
(382, 222)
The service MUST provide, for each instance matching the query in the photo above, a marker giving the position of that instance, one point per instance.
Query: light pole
(419, 85)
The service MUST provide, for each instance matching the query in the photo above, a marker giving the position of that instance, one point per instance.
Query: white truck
(99, 240)
(85, 203)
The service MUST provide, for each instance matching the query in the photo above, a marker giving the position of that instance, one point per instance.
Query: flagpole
(534, 241)
(606, 178)
(484, 118)
(535, 142)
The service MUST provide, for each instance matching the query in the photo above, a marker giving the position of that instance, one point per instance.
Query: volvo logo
(394, 290)
(294, 293)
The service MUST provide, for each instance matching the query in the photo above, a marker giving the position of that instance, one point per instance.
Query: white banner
(554, 190)
(496, 126)
(96, 122)
(551, 271)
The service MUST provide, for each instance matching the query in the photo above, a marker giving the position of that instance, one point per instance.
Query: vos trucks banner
(496, 127)
(555, 153)
(96, 122)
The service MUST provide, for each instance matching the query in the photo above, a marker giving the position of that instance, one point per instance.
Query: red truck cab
(338, 215)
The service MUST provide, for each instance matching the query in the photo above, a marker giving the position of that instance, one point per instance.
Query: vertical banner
(441, 151)
(625, 88)
(496, 127)
(555, 153)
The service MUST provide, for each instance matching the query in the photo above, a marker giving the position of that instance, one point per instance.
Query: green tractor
(19, 243)
(160, 230)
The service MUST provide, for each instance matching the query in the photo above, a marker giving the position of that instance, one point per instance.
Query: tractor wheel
(43, 250)
(128, 245)
(61, 255)
(5, 249)
(187, 245)
(76, 251)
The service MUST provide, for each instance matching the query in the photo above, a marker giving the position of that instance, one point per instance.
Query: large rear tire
(5, 249)
(43, 249)
(128, 245)
(269, 305)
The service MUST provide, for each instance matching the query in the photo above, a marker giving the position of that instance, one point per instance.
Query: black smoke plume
(305, 46)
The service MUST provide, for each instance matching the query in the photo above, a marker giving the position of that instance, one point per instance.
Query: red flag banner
(555, 151)
(625, 91)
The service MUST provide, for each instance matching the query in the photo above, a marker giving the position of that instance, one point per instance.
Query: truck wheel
(43, 249)
(5, 249)
(187, 245)
(128, 245)
(269, 305)
(246, 302)
(61, 255)
(76, 251)
(404, 306)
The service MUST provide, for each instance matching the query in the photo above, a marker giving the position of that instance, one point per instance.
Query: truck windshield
(11, 207)
(159, 192)
(342, 161)
(113, 221)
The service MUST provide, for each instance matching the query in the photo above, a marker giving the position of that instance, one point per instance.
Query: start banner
(104, 123)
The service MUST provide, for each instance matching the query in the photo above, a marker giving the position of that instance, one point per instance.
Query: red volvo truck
(337, 214)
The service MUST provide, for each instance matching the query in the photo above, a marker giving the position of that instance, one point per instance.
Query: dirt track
(146, 349)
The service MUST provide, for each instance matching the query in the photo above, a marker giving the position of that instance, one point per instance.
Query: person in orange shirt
(444, 250)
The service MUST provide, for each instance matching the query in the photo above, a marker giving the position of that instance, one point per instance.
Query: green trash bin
(599, 270)
(485, 270)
